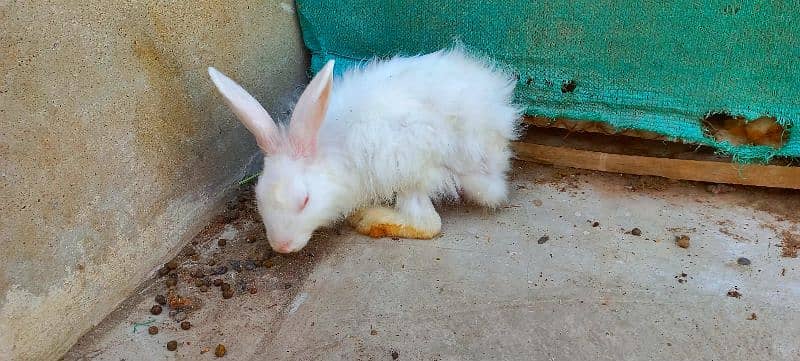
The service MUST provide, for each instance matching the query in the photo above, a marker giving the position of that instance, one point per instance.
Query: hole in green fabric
(737, 130)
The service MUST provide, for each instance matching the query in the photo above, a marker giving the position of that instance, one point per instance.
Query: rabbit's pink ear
(249, 111)
(310, 111)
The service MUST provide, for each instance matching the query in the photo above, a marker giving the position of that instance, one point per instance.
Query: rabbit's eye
(305, 203)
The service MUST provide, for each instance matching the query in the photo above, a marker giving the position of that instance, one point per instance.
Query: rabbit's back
(419, 122)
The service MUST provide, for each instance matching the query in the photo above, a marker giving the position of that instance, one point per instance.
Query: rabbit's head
(295, 193)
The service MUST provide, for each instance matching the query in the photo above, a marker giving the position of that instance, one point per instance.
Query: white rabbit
(407, 131)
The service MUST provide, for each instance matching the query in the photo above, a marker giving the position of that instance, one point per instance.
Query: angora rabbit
(402, 132)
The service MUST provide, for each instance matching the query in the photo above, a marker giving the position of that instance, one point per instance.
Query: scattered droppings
(682, 241)
(543, 239)
(636, 232)
(395, 355)
(752, 317)
(743, 261)
(221, 270)
(156, 310)
(163, 271)
(185, 279)
(220, 350)
(227, 294)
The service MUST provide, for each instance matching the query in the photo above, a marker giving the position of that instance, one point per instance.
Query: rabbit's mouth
(289, 246)
(284, 247)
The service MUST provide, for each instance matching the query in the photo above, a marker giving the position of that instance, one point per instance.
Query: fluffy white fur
(407, 131)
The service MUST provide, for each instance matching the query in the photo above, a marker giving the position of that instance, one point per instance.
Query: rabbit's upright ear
(249, 111)
(310, 111)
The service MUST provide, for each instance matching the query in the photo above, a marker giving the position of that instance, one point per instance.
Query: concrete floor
(491, 288)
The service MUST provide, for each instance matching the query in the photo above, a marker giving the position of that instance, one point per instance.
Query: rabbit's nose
(283, 247)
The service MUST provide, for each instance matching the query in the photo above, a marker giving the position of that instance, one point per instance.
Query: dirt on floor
(229, 269)
(228, 265)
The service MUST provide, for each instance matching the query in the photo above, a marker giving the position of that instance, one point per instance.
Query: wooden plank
(611, 155)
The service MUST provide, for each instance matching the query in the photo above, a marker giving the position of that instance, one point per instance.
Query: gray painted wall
(114, 146)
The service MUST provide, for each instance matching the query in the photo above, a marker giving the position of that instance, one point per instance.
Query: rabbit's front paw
(379, 222)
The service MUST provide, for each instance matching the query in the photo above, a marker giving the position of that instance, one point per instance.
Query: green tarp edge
(643, 83)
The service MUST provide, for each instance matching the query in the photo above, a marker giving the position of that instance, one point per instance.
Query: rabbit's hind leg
(489, 190)
(412, 217)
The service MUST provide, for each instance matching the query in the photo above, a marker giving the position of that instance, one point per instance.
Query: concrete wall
(114, 146)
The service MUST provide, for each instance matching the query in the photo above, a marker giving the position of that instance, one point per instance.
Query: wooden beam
(638, 156)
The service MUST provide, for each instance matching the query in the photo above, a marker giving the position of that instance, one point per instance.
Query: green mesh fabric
(654, 66)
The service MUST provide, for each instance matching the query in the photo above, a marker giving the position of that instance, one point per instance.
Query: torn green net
(652, 66)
